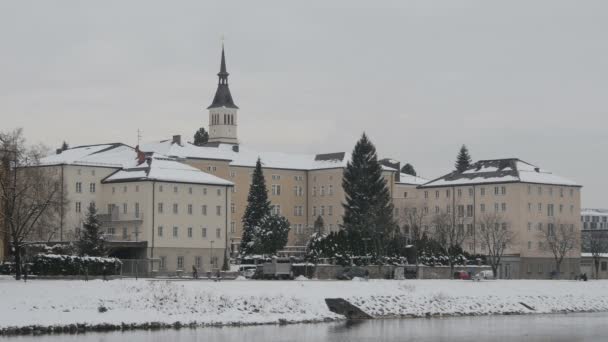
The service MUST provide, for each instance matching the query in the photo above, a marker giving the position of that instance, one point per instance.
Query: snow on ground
(57, 302)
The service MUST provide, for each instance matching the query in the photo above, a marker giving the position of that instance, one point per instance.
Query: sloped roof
(116, 155)
(500, 171)
(405, 178)
(158, 168)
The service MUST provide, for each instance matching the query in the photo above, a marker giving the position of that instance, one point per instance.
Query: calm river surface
(531, 328)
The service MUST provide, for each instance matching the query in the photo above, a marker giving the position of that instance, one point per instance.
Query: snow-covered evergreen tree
(463, 161)
(201, 137)
(64, 146)
(91, 241)
(408, 169)
(258, 207)
(271, 235)
(368, 210)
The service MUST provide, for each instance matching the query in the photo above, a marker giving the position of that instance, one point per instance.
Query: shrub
(54, 264)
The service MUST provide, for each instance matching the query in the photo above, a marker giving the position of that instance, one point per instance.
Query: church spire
(223, 98)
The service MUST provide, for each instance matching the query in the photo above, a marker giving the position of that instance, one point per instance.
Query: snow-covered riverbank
(53, 303)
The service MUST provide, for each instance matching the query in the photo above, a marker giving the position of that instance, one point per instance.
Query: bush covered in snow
(54, 264)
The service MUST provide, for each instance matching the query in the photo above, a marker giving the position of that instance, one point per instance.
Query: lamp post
(211, 256)
(365, 246)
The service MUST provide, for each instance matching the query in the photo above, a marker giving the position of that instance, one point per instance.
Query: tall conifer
(91, 241)
(258, 207)
(368, 210)
(463, 161)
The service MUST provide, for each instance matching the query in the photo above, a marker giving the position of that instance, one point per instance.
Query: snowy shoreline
(56, 306)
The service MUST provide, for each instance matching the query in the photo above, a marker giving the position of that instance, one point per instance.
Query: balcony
(116, 216)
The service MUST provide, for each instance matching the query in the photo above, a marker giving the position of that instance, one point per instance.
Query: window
(447, 193)
(175, 189)
(180, 262)
(198, 262)
(549, 209)
(504, 206)
(175, 232)
(78, 207)
(92, 187)
(160, 231)
(124, 208)
(571, 192)
(496, 191)
(218, 233)
(232, 174)
(276, 209)
(204, 232)
(540, 226)
(496, 207)
(137, 210)
(111, 231)
(160, 188)
(78, 187)
(189, 209)
(436, 209)
(331, 190)
(405, 194)
(330, 210)
(322, 190)
(461, 211)
(232, 227)
(218, 210)
(469, 210)
(175, 208)
(322, 210)
(529, 207)
(459, 192)
(204, 210)
(503, 190)
(190, 190)
(426, 194)
(540, 207)
(471, 192)
(482, 191)
(189, 232)
(314, 191)
(124, 233)
(529, 226)
(219, 192)
(276, 189)
(437, 194)
(604, 266)
(163, 263)
(232, 208)
(561, 208)
(113, 190)
(160, 208)
(314, 211)
(276, 177)
(204, 191)
(482, 208)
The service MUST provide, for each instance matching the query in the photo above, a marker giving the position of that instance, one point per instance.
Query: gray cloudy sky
(515, 78)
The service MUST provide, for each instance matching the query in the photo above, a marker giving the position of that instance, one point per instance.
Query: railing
(116, 216)
(122, 237)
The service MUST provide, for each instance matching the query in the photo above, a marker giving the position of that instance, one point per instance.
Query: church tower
(223, 111)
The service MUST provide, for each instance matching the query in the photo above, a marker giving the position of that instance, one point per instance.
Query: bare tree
(559, 239)
(31, 196)
(496, 236)
(449, 235)
(412, 220)
(596, 243)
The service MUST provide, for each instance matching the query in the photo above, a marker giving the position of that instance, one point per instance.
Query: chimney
(235, 148)
(58, 151)
(177, 139)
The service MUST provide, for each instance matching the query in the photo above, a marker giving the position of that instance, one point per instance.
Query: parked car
(485, 275)
(247, 271)
(462, 275)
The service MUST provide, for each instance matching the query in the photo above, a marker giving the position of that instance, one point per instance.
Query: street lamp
(365, 246)
(211, 256)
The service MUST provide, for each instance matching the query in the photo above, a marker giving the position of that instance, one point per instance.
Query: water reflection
(536, 328)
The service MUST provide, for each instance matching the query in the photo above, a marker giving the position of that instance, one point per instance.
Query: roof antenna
(138, 136)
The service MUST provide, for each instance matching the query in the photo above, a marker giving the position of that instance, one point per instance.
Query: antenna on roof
(138, 136)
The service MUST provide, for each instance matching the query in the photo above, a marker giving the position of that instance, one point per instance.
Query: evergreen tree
(368, 210)
(64, 146)
(463, 161)
(408, 169)
(319, 225)
(91, 241)
(201, 137)
(258, 207)
(271, 235)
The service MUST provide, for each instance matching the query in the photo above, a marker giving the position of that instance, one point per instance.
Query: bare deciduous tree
(559, 239)
(449, 235)
(31, 196)
(596, 244)
(496, 235)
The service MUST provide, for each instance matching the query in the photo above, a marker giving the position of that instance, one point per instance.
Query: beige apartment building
(150, 206)
(526, 198)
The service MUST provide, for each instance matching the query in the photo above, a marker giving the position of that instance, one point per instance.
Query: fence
(139, 267)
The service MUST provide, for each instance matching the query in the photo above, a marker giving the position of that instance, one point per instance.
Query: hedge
(54, 264)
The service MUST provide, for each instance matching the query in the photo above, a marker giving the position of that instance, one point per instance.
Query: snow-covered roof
(500, 171)
(594, 212)
(103, 155)
(590, 255)
(405, 178)
(248, 157)
(159, 168)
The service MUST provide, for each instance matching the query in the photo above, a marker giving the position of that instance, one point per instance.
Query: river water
(529, 328)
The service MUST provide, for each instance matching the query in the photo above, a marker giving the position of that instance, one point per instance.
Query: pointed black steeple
(223, 98)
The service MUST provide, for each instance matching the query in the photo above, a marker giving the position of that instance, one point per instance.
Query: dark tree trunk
(17, 262)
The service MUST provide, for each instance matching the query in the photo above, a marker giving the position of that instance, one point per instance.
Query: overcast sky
(525, 79)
